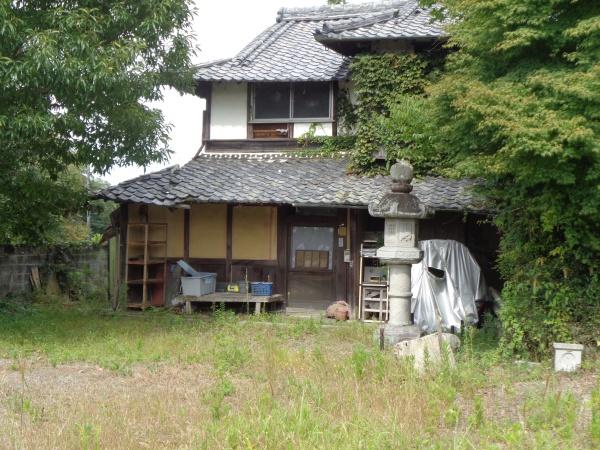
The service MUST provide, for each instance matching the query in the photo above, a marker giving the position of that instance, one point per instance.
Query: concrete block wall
(16, 263)
(93, 263)
(15, 268)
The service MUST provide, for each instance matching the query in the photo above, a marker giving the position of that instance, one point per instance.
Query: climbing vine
(380, 117)
(383, 85)
(324, 146)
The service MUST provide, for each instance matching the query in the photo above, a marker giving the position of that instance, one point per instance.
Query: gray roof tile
(280, 179)
(288, 50)
(401, 20)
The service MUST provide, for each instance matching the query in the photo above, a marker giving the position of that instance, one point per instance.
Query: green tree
(99, 210)
(75, 81)
(520, 105)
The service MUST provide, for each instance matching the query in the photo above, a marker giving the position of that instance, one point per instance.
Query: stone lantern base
(392, 334)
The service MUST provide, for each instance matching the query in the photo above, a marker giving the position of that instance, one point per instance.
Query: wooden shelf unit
(146, 264)
(372, 295)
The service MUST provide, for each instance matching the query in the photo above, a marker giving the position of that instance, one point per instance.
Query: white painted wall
(348, 85)
(322, 129)
(229, 110)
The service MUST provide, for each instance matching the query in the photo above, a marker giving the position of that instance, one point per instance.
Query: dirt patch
(509, 402)
(67, 405)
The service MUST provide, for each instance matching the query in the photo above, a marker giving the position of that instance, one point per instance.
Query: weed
(555, 411)
(224, 317)
(477, 418)
(264, 383)
(595, 426)
(452, 417)
(359, 360)
(229, 353)
(89, 436)
(305, 327)
(216, 396)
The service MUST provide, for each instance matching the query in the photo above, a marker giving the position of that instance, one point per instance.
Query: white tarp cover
(454, 294)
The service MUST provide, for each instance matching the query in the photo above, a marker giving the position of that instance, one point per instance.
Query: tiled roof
(401, 20)
(288, 50)
(279, 179)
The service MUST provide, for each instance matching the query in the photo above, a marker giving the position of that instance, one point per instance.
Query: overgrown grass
(266, 382)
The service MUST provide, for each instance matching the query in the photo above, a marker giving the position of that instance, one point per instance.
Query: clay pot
(339, 310)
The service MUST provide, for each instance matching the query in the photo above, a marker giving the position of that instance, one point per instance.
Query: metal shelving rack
(373, 295)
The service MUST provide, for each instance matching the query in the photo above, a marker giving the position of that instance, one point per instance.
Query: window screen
(312, 248)
(311, 100)
(272, 101)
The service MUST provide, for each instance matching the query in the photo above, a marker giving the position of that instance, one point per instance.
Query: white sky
(222, 28)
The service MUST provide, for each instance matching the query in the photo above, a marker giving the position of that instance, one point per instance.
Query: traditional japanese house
(249, 205)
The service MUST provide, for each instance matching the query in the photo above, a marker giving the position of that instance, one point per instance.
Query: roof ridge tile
(335, 26)
(326, 12)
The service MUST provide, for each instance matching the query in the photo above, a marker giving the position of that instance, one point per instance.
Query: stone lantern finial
(402, 175)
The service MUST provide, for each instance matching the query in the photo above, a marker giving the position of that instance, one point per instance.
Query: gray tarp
(454, 293)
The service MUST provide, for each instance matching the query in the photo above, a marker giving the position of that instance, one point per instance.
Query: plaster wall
(229, 111)
(322, 129)
(254, 233)
(208, 231)
(348, 86)
(160, 214)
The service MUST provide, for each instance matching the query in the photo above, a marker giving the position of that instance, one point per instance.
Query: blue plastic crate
(261, 288)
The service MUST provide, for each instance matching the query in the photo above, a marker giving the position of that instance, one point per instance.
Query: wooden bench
(260, 301)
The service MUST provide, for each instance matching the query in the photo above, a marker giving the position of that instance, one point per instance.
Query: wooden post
(116, 261)
(282, 252)
(356, 272)
(348, 265)
(126, 260)
(186, 234)
(206, 115)
(228, 257)
(145, 278)
(123, 244)
(335, 90)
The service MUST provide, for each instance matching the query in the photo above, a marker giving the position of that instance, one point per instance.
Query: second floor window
(291, 101)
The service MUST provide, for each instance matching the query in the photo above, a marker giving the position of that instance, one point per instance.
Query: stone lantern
(401, 211)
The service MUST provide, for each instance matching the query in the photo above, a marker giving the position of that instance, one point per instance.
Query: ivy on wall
(387, 90)
(384, 86)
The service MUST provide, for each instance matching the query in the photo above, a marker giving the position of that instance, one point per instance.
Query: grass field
(75, 378)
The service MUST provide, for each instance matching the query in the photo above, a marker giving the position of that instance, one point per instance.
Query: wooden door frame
(311, 221)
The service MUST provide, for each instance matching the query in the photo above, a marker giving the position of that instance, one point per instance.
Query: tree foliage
(75, 81)
(519, 105)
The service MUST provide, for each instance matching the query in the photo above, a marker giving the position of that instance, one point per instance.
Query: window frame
(292, 267)
(290, 118)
